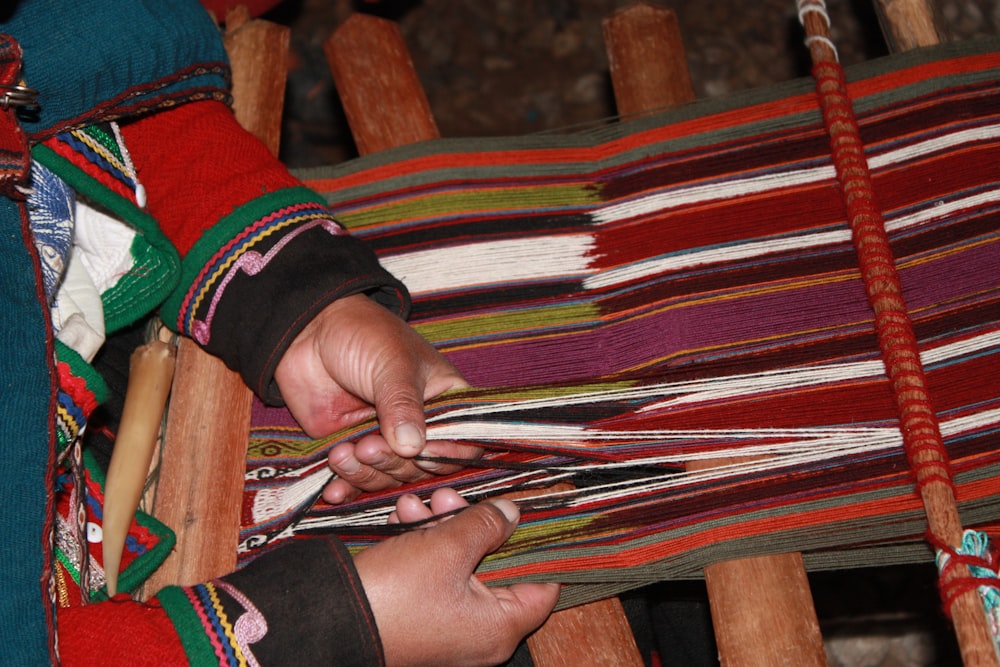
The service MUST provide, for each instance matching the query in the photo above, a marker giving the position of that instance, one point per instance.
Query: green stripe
(545, 318)
(196, 643)
(466, 201)
(222, 232)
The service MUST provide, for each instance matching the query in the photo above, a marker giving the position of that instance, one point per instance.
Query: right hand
(430, 607)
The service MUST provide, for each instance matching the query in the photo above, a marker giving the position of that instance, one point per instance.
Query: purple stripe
(842, 307)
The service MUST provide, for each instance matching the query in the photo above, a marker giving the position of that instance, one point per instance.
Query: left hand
(428, 603)
(355, 358)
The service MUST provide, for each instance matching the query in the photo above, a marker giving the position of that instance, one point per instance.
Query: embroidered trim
(215, 623)
(96, 151)
(239, 255)
(251, 626)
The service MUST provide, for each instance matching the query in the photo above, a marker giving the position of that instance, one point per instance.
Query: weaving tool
(462, 342)
(897, 340)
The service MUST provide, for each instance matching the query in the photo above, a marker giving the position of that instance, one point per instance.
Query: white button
(94, 533)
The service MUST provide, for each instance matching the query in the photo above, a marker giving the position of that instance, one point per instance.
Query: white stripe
(728, 189)
(493, 262)
(701, 257)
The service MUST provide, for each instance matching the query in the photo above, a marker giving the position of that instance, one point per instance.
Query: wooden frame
(762, 608)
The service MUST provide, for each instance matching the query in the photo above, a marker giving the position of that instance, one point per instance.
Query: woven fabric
(678, 288)
(95, 61)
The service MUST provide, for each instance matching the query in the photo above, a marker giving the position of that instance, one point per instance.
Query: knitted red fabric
(118, 632)
(197, 165)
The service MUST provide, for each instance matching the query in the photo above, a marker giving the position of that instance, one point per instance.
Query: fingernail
(349, 466)
(508, 508)
(409, 441)
(429, 466)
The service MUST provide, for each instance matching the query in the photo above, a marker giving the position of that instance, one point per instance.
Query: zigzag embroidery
(231, 260)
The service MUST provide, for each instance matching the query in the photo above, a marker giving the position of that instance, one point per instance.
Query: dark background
(501, 67)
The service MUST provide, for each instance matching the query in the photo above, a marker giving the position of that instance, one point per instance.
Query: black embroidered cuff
(261, 274)
(300, 604)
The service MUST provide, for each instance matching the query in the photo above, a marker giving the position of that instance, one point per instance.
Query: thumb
(478, 530)
(399, 406)
(529, 604)
(526, 606)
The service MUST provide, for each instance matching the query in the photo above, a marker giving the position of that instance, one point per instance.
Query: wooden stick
(386, 107)
(762, 608)
(380, 91)
(200, 488)
(258, 51)
(151, 370)
(907, 24)
(898, 344)
(646, 58)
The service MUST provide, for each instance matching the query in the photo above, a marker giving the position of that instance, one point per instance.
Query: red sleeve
(197, 165)
(97, 630)
(304, 599)
(252, 239)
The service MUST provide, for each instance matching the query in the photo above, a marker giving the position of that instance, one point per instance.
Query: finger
(445, 501)
(399, 407)
(346, 461)
(400, 392)
(337, 491)
(374, 451)
(446, 449)
(476, 531)
(410, 509)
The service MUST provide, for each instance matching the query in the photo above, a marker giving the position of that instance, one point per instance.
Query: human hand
(355, 358)
(429, 606)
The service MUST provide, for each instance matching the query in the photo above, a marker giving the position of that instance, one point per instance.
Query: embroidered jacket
(131, 190)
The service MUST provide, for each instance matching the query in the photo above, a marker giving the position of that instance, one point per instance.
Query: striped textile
(683, 287)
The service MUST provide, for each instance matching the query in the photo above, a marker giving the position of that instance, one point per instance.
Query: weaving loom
(686, 277)
(678, 288)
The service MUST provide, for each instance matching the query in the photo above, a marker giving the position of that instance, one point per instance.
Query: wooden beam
(907, 24)
(646, 59)
(200, 487)
(762, 608)
(380, 91)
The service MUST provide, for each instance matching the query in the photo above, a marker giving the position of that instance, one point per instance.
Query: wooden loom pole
(762, 607)
(897, 341)
(907, 24)
(200, 486)
(386, 107)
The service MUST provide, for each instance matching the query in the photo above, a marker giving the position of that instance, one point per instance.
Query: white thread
(655, 203)
(813, 7)
(140, 191)
(824, 40)
(492, 263)
(785, 448)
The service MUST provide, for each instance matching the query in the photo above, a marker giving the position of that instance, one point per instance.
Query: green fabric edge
(157, 261)
(143, 566)
(79, 367)
(226, 230)
(196, 645)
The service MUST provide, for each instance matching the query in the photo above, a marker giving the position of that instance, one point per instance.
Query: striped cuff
(302, 602)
